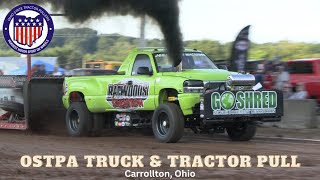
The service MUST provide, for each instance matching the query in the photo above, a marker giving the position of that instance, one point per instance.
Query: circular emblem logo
(28, 28)
(227, 100)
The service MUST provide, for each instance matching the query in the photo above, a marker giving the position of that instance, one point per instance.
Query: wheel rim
(163, 124)
(74, 120)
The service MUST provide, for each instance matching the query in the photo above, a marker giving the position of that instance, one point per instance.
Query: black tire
(168, 123)
(242, 131)
(12, 107)
(78, 120)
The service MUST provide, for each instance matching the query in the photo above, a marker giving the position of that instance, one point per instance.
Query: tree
(72, 46)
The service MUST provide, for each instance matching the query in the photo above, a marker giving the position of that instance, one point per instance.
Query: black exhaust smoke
(164, 12)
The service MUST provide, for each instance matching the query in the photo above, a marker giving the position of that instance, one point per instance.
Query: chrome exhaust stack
(241, 80)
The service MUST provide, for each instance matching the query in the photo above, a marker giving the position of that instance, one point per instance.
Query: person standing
(35, 70)
(268, 80)
(67, 71)
(56, 72)
(300, 92)
(259, 75)
(287, 93)
(42, 70)
(1, 71)
(282, 78)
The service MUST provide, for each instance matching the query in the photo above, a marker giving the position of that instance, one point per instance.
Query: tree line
(72, 46)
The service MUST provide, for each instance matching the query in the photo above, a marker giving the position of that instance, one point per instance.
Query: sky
(221, 20)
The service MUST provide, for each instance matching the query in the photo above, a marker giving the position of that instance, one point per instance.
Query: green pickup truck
(148, 92)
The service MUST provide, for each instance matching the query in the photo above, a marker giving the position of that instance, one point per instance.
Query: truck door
(142, 85)
(133, 91)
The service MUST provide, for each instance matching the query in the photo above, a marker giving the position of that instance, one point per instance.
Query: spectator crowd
(40, 70)
(275, 75)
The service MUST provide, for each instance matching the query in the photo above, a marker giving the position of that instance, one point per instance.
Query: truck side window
(142, 60)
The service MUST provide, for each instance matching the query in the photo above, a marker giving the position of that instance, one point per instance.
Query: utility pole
(142, 31)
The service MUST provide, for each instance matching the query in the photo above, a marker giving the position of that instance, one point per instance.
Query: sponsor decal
(28, 28)
(128, 94)
(159, 55)
(128, 124)
(244, 102)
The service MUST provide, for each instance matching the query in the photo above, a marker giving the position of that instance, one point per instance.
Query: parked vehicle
(306, 71)
(101, 64)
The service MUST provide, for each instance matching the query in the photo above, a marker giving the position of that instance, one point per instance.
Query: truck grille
(216, 86)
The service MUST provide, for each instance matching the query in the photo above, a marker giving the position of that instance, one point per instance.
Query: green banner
(243, 103)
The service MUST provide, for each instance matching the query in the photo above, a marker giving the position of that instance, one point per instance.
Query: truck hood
(201, 74)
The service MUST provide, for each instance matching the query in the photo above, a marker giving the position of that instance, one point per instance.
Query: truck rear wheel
(242, 131)
(168, 123)
(78, 119)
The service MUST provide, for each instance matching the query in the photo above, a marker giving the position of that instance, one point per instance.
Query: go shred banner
(243, 103)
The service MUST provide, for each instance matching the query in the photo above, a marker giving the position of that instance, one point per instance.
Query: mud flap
(43, 106)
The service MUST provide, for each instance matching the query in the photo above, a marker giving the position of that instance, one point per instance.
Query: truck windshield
(190, 60)
(300, 67)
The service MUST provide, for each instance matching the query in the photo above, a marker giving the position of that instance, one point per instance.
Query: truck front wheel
(78, 119)
(242, 131)
(168, 123)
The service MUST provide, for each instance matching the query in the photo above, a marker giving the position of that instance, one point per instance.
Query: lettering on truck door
(135, 91)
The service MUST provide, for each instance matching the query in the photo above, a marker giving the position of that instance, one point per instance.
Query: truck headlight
(193, 86)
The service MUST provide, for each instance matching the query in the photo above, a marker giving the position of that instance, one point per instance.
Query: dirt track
(15, 144)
